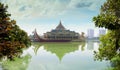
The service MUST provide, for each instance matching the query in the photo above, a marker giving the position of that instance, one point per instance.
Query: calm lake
(58, 56)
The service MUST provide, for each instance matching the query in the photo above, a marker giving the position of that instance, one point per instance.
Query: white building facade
(90, 33)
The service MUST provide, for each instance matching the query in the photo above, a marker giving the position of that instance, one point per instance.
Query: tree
(12, 38)
(109, 18)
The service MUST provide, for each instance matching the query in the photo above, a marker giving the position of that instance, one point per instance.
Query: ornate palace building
(61, 33)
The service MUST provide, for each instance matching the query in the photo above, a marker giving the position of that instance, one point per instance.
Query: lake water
(58, 56)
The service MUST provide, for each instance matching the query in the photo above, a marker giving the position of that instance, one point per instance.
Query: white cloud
(35, 8)
(47, 8)
(89, 4)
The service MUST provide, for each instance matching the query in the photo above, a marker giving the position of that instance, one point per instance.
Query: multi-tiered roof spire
(60, 26)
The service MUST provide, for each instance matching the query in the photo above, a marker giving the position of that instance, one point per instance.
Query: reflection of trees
(82, 45)
(36, 46)
(18, 64)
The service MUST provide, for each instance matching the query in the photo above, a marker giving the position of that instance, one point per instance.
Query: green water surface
(58, 56)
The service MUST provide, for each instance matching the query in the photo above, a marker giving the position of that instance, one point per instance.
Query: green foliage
(12, 38)
(109, 18)
(109, 21)
(116, 62)
(107, 49)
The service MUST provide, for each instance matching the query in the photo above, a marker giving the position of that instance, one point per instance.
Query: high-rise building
(90, 33)
(102, 32)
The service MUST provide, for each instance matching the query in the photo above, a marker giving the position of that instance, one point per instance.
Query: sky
(45, 15)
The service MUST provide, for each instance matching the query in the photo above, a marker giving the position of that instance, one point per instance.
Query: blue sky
(45, 15)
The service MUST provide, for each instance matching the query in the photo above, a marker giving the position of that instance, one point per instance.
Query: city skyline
(44, 15)
(91, 33)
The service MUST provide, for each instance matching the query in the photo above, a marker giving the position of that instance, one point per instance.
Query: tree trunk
(117, 36)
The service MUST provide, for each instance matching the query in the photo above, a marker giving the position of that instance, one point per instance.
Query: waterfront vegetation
(109, 18)
(12, 38)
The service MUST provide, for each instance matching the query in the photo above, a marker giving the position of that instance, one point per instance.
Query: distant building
(90, 33)
(102, 32)
(61, 33)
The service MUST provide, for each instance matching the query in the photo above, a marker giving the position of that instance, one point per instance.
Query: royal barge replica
(59, 34)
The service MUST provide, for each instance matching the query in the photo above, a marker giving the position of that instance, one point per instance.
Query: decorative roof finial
(60, 26)
(60, 22)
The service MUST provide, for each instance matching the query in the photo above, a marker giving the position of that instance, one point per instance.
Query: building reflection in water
(82, 46)
(60, 49)
(90, 45)
(36, 45)
(58, 56)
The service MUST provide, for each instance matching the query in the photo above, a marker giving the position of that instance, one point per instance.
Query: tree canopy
(12, 38)
(109, 18)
